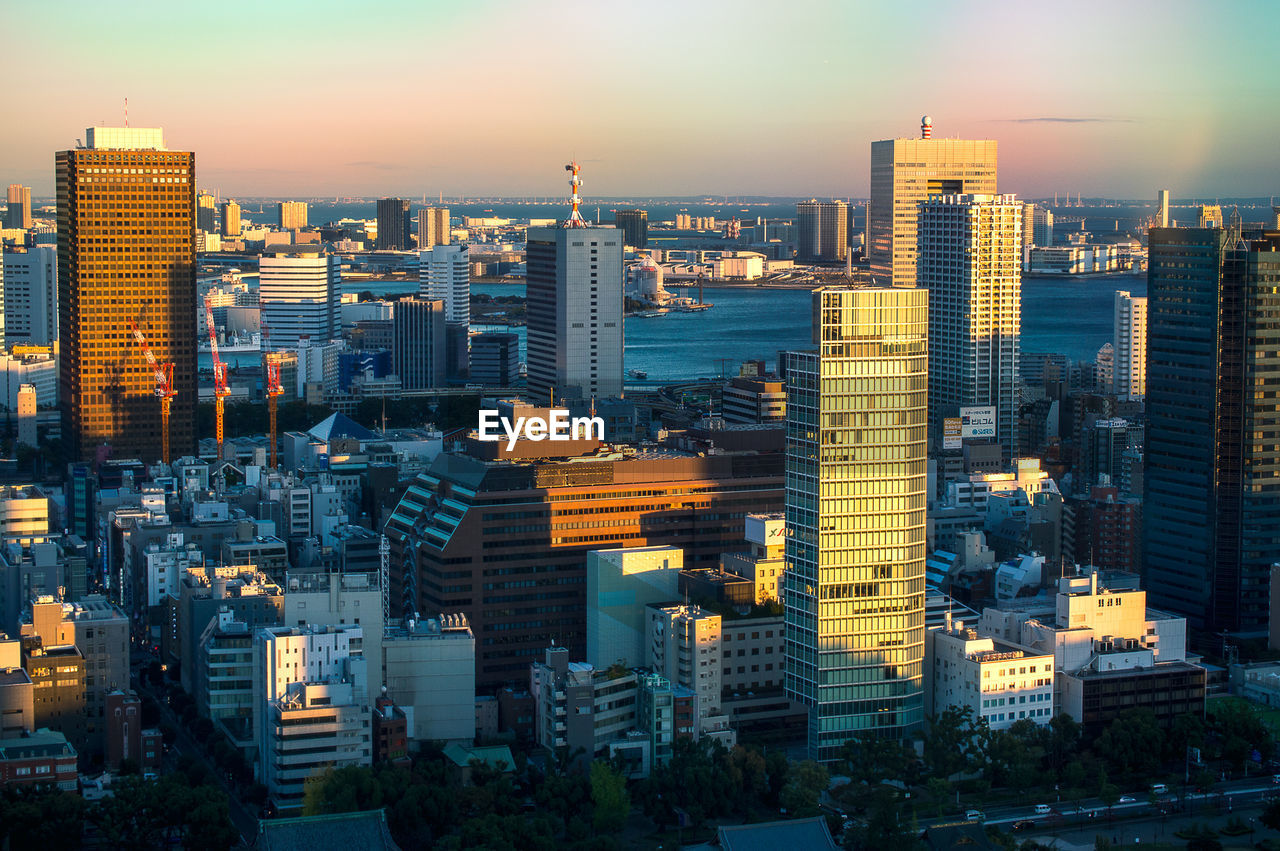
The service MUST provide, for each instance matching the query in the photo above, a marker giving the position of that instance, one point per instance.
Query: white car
(975, 815)
(1127, 800)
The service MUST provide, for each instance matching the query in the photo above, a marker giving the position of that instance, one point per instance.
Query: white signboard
(978, 422)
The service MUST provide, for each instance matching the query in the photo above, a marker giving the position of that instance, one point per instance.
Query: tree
(955, 742)
(806, 782)
(1271, 815)
(41, 817)
(1133, 742)
(1108, 792)
(611, 806)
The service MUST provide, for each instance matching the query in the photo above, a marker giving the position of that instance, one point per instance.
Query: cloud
(1058, 119)
(375, 164)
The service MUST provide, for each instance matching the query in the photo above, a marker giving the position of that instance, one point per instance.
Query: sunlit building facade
(855, 511)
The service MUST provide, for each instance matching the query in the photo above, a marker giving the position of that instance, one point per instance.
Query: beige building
(24, 513)
(429, 666)
(766, 562)
(905, 172)
(1130, 336)
(433, 227)
(684, 647)
(1002, 683)
(292, 214)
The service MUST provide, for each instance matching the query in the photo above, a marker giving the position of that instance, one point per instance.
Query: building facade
(31, 296)
(433, 227)
(822, 231)
(495, 359)
(855, 514)
(1129, 332)
(969, 257)
(905, 172)
(291, 215)
(393, 224)
(418, 350)
(298, 292)
(634, 225)
(107, 389)
(18, 213)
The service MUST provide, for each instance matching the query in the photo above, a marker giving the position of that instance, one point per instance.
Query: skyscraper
(418, 342)
(393, 224)
(31, 296)
(299, 290)
(230, 219)
(125, 181)
(292, 214)
(1212, 513)
(634, 225)
(1211, 216)
(444, 273)
(206, 213)
(855, 504)
(18, 213)
(433, 227)
(905, 172)
(575, 278)
(1129, 330)
(822, 231)
(1162, 212)
(970, 260)
(1042, 227)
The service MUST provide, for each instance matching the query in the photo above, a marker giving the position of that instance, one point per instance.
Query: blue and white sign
(977, 422)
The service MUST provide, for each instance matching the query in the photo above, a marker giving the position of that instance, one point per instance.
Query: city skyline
(1118, 116)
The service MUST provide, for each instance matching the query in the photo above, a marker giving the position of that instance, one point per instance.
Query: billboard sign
(978, 422)
(951, 433)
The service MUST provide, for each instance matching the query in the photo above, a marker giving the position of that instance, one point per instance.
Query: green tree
(956, 742)
(1271, 815)
(806, 782)
(41, 817)
(1133, 742)
(610, 804)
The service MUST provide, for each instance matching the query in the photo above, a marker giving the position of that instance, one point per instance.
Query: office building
(855, 514)
(470, 533)
(1162, 209)
(30, 300)
(620, 583)
(495, 359)
(312, 706)
(1211, 216)
(634, 225)
(330, 598)
(108, 391)
(18, 213)
(418, 343)
(765, 563)
(580, 710)
(299, 290)
(291, 215)
(1212, 514)
(206, 213)
(1000, 681)
(683, 645)
(1041, 228)
(754, 399)
(27, 415)
(574, 333)
(17, 696)
(822, 231)
(444, 274)
(905, 172)
(429, 668)
(433, 227)
(393, 224)
(38, 758)
(970, 261)
(230, 219)
(1129, 333)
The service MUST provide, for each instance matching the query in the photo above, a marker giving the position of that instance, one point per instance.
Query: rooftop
(366, 831)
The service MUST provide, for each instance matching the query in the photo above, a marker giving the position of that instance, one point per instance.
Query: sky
(654, 98)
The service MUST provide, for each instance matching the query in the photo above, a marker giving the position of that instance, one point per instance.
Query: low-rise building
(40, 757)
(754, 399)
(429, 667)
(766, 562)
(1001, 682)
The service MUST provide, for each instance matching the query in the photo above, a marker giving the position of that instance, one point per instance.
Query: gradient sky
(664, 97)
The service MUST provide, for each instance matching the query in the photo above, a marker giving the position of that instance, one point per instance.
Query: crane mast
(220, 388)
(163, 373)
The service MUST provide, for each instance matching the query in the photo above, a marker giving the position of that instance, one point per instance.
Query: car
(1024, 824)
(974, 815)
(1127, 799)
(1160, 788)
(1043, 809)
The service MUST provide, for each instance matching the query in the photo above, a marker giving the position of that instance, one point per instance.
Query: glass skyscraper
(1212, 466)
(855, 503)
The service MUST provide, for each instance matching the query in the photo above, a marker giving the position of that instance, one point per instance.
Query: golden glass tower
(855, 502)
(905, 172)
(126, 253)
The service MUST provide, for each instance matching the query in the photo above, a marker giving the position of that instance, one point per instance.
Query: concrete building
(24, 513)
(1130, 337)
(312, 702)
(904, 173)
(495, 359)
(17, 697)
(754, 399)
(574, 334)
(230, 219)
(43, 757)
(38, 369)
(291, 215)
(765, 564)
(433, 227)
(298, 291)
(125, 736)
(969, 260)
(444, 275)
(1001, 682)
(108, 391)
(684, 647)
(27, 415)
(620, 584)
(58, 685)
(393, 224)
(202, 594)
(1162, 209)
(634, 225)
(580, 709)
(429, 667)
(1212, 504)
(419, 354)
(31, 296)
(822, 231)
(331, 599)
(18, 213)
(859, 672)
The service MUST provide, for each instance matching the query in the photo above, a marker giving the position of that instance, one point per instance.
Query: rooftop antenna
(575, 219)
(126, 112)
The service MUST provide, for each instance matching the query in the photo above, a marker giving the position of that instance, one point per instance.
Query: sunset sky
(483, 97)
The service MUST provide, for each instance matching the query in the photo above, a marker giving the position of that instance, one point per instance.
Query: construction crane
(274, 390)
(164, 388)
(220, 389)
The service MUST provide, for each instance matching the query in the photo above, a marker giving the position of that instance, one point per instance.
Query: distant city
(937, 518)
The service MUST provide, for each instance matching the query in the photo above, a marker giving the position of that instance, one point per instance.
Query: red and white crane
(164, 387)
(221, 390)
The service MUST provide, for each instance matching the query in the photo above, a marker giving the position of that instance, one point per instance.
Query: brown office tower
(126, 254)
(504, 537)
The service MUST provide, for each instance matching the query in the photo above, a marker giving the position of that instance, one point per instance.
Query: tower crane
(273, 390)
(220, 389)
(164, 387)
